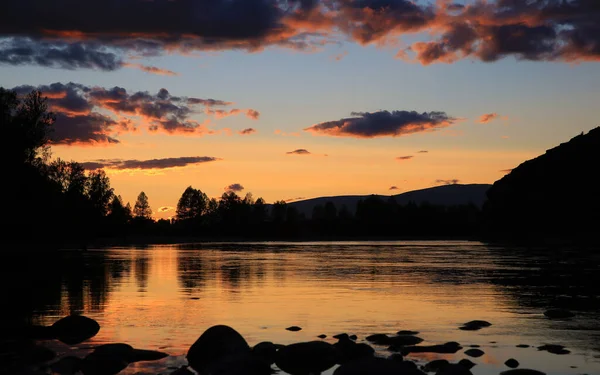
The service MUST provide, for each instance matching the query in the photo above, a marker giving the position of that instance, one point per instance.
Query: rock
(396, 357)
(378, 339)
(348, 350)
(453, 369)
(405, 332)
(377, 366)
(554, 349)
(522, 346)
(558, 314)
(353, 337)
(435, 365)
(474, 325)
(138, 355)
(265, 350)
(404, 340)
(512, 363)
(74, 329)
(322, 336)
(466, 363)
(474, 346)
(474, 353)
(218, 343)
(294, 328)
(105, 362)
(304, 358)
(522, 371)
(447, 348)
(342, 336)
(245, 364)
(67, 365)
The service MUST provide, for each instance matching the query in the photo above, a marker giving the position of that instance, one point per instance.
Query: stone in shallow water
(307, 357)
(453, 369)
(466, 363)
(294, 328)
(474, 352)
(377, 366)
(435, 365)
(512, 363)
(447, 348)
(74, 329)
(218, 343)
(522, 346)
(554, 349)
(474, 325)
(322, 336)
(407, 332)
(265, 350)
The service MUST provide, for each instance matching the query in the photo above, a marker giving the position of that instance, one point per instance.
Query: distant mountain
(553, 195)
(446, 195)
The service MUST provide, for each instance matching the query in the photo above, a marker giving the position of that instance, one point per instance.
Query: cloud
(393, 188)
(100, 34)
(299, 151)
(94, 115)
(400, 158)
(165, 209)
(383, 124)
(447, 182)
(151, 69)
(488, 117)
(506, 170)
(247, 131)
(339, 56)
(293, 199)
(119, 164)
(234, 187)
(422, 152)
(253, 114)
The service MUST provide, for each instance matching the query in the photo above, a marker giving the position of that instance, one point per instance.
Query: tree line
(57, 202)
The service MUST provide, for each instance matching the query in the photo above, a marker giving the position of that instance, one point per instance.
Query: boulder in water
(453, 369)
(466, 363)
(294, 328)
(474, 352)
(218, 343)
(378, 366)
(266, 350)
(447, 348)
(474, 325)
(305, 358)
(435, 365)
(554, 349)
(74, 329)
(512, 363)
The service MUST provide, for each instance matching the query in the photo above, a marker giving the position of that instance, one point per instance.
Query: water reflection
(163, 297)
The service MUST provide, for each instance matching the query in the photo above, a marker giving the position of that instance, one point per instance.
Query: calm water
(163, 297)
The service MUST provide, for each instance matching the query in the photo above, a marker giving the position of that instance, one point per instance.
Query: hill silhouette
(554, 195)
(446, 195)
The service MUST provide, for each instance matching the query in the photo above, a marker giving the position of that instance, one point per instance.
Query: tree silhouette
(99, 191)
(192, 205)
(142, 209)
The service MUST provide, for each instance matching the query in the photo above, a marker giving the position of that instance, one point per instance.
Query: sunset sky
(292, 99)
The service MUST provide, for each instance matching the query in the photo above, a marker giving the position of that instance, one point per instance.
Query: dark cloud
(447, 182)
(422, 152)
(528, 30)
(393, 188)
(408, 157)
(488, 117)
(165, 209)
(294, 199)
(506, 170)
(383, 124)
(247, 131)
(101, 34)
(234, 187)
(82, 115)
(299, 151)
(148, 164)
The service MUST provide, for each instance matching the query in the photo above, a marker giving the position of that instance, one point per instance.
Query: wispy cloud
(402, 158)
(247, 131)
(151, 69)
(119, 164)
(393, 188)
(300, 151)
(422, 152)
(234, 187)
(383, 124)
(165, 209)
(447, 182)
(488, 117)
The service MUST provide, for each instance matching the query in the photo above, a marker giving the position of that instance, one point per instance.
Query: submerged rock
(265, 350)
(558, 313)
(512, 363)
(522, 346)
(435, 365)
(74, 329)
(554, 349)
(474, 353)
(474, 325)
(453, 369)
(406, 332)
(306, 358)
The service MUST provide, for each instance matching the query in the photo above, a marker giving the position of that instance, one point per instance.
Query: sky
(294, 99)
